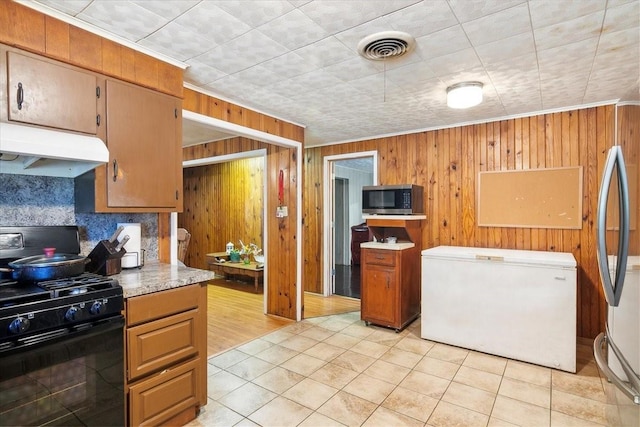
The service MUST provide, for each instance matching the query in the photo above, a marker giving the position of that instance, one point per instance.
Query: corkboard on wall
(535, 198)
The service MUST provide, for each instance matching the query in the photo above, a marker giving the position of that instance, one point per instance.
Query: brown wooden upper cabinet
(47, 94)
(144, 138)
(145, 156)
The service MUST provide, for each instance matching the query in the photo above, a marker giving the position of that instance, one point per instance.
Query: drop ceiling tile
(415, 74)
(354, 68)
(449, 40)
(454, 62)
(72, 7)
(289, 65)
(624, 17)
(501, 50)
(336, 16)
(243, 52)
(218, 25)
(423, 18)
(584, 50)
(260, 76)
(499, 25)
(256, 14)
(327, 51)
(610, 42)
(177, 42)
(200, 73)
(570, 31)
(549, 12)
(293, 30)
(169, 9)
(114, 16)
(315, 80)
(467, 10)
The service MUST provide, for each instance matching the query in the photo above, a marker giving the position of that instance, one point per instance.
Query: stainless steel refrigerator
(617, 349)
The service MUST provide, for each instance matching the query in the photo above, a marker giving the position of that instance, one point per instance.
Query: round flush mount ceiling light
(386, 45)
(464, 95)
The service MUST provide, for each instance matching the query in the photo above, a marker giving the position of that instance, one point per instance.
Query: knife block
(104, 259)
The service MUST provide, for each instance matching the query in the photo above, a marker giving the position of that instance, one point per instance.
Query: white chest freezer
(511, 303)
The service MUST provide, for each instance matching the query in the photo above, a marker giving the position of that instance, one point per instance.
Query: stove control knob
(97, 308)
(73, 313)
(19, 325)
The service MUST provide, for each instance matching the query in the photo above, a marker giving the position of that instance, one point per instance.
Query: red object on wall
(281, 188)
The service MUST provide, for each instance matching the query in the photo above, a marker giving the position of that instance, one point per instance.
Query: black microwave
(401, 199)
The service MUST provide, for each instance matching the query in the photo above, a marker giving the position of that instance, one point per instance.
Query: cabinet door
(156, 345)
(145, 155)
(379, 294)
(163, 396)
(46, 94)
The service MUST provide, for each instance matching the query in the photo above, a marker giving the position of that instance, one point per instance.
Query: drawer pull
(560, 278)
(164, 372)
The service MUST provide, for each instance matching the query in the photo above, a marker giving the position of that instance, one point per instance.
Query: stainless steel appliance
(61, 340)
(620, 278)
(401, 199)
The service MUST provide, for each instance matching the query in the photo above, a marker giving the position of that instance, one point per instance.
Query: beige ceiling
(297, 59)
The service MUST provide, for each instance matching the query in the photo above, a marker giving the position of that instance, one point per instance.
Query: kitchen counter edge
(156, 276)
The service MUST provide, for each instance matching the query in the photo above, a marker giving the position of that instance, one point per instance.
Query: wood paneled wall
(447, 162)
(223, 203)
(31, 30)
(281, 232)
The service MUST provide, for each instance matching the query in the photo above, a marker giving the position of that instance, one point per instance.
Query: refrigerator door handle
(612, 290)
(631, 388)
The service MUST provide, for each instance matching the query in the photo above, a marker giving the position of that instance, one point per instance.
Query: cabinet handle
(98, 92)
(115, 170)
(98, 120)
(20, 96)
(177, 195)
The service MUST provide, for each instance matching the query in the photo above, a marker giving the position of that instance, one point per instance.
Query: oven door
(65, 377)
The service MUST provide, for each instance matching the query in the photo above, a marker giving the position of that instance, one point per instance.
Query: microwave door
(613, 239)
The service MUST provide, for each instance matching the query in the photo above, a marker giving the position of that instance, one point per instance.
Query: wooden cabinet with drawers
(166, 356)
(390, 291)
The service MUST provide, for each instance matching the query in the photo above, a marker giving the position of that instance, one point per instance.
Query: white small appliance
(135, 254)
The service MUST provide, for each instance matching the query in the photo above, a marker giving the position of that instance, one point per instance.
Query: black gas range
(28, 308)
(61, 340)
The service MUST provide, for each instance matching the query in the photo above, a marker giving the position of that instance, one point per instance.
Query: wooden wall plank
(31, 30)
(454, 157)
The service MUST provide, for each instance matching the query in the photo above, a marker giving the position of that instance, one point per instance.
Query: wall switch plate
(282, 211)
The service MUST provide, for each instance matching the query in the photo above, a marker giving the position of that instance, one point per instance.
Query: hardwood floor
(235, 313)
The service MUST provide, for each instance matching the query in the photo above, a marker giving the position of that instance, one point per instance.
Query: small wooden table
(239, 268)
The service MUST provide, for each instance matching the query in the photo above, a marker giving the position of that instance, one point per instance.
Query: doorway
(345, 176)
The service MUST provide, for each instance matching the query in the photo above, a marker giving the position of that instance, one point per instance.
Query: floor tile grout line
(412, 369)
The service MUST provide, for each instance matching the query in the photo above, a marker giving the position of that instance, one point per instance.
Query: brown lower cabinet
(166, 353)
(390, 291)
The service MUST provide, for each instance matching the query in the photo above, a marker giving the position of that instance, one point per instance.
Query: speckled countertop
(156, 276)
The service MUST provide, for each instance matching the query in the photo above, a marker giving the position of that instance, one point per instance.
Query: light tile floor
(334, 371)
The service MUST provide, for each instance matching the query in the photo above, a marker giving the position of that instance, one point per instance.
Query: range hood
(27, 150)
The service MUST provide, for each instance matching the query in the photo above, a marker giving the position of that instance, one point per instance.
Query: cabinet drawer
(156, 345)
(373, 256)
(156, 400)
(161, 304)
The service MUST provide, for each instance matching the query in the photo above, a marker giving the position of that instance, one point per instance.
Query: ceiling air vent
(386, 45)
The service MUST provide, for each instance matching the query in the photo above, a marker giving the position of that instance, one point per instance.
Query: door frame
(328, 178)
(261, 153)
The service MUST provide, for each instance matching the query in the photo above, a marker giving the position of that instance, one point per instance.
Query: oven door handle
(83, 330)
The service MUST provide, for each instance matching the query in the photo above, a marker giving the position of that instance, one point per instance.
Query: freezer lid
(556, 259)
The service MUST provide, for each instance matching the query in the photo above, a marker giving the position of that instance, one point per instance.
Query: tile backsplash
(41, 200)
